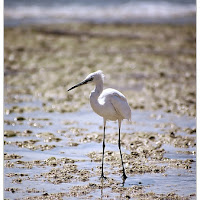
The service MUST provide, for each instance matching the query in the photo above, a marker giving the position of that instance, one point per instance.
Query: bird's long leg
(119, 145)
(104, 128)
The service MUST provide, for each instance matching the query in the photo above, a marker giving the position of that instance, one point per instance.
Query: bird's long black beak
(81, 83)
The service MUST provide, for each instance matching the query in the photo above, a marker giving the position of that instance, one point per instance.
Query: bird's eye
(88, 80)
(91, 79)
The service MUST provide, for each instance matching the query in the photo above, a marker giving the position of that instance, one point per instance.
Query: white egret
(110, 104)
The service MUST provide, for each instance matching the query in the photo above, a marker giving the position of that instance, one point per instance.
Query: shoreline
(187, 20)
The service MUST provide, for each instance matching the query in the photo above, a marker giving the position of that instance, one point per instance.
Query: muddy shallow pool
(58, 155)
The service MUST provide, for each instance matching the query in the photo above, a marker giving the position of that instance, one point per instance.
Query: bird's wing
(120, 104)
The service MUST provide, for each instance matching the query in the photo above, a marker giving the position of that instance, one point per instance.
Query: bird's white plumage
(109, 103)
(115, 105)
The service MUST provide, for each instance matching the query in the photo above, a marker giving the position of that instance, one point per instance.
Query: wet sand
(53, 140)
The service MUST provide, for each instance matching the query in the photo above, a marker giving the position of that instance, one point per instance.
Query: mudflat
(53, 140)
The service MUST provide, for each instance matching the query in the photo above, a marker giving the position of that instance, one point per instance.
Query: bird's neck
(98, 89)
(94, 101)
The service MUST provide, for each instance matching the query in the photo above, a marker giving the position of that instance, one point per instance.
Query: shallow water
(71, 128)
(132, 11)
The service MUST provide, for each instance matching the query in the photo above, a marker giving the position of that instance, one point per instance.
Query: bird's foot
(124, 177)
(102, 177)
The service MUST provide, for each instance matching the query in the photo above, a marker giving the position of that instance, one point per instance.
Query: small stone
(9, 134)
(19, 118)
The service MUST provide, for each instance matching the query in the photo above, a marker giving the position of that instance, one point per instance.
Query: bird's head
(93, 77)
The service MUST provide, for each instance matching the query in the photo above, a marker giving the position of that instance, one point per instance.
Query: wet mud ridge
(159, 159)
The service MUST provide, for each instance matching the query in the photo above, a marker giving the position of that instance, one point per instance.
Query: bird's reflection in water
(102, 187)
(123, 181)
